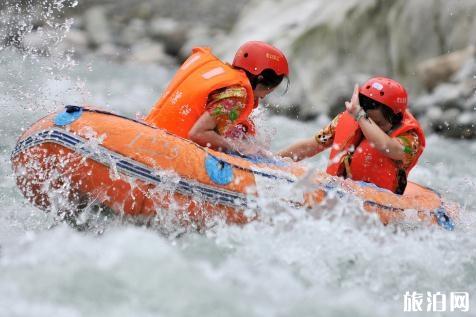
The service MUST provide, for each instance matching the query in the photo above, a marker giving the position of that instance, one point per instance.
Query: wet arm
(387, 145)
(223, 108)
(302, 149)
(203, 133)
(312, 146)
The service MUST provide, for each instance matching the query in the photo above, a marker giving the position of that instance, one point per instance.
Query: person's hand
(285, 159)
(353, 107)
(243, 147)
(264, 153)
(250, 149)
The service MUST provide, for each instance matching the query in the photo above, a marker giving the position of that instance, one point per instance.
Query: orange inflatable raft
(87, 156)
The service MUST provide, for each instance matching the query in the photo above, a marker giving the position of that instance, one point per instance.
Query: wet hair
(267, 78)
(369, 104)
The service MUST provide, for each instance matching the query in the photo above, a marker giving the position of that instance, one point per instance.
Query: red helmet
(256, 56)
(387, 91)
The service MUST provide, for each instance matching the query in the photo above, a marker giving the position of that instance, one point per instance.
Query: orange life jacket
(185, 99)
(367, 163)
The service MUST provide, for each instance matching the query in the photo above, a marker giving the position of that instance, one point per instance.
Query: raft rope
(186, 187)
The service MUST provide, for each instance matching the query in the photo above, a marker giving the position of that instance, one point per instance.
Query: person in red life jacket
(209, 101)
(375, 140)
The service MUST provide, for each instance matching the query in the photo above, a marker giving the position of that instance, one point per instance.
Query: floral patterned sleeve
(325, 137)
(411, 145)
(226, 105)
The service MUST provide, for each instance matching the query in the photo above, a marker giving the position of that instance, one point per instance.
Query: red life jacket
(367, 163)
(185, 99)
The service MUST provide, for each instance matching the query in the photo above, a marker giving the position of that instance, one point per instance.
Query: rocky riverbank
(426, 44)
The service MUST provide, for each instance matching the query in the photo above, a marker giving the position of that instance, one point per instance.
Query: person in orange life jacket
(375, 140)
(209, 101)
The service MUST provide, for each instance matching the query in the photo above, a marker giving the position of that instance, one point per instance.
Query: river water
(292, 264)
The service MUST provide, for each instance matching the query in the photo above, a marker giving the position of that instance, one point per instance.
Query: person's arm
(223, 107)
(203, 133)
(312, 146)
(387, 145)
(302, 149)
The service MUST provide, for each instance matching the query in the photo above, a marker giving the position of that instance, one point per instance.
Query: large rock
(325, 40)
(339, 90)
(442, 68)
(434, 115)
(467, 71)
(214, 13)
(150, 52)
(422, 104)
(170, 32)
(467, 118)
(455, 125)
(470, 104)
(466, 125)
(201, 35)
(133, 32)
(447, 96)
(97, 26)
(450, 109)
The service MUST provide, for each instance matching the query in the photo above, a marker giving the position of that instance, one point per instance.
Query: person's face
(261, 91)
(377, 116)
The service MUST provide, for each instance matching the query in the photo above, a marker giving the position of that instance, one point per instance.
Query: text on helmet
(272, 56)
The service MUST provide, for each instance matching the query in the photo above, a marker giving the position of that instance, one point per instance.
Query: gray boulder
(134, 31)
(470, 103)
(97, 26)
(434, 115)
(440, 69)
(467, 71)
(201, 35)
(450, 116)
(467, 118)
(423, 104)
(149, 52)
(325, 40)
(170, 32)
(449, 96)
(339, 90)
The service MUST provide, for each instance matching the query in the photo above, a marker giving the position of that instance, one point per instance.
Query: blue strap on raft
(68, 116)
(219, 171)
(371, 185)
(259, 159)
(444, 220)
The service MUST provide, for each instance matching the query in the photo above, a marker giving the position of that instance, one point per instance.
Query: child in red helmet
(375, 140)
(209, 102)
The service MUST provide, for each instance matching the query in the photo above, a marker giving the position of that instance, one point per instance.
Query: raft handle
(443, 219)
(72, 108)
